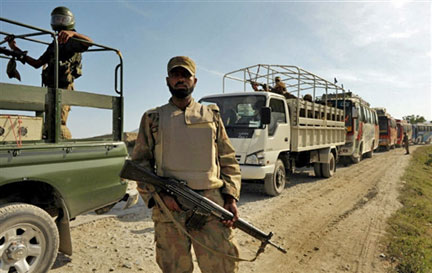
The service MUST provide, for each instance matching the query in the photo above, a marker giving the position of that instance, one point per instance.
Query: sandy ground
(327, 225)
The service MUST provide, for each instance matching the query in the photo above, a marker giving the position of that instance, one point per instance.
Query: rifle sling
(183, 230)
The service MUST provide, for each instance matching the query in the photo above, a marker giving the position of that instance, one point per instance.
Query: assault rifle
(19, 55)
(192, 200)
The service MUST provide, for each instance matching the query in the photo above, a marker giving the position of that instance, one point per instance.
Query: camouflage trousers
(173, 248)
(65, 132)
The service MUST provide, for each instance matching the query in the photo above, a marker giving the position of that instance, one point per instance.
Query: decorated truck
(46, 181)
(275, 133)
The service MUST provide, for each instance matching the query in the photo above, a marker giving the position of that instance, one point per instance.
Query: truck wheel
(328, 169)
(29, 239)
(317, 169)
(274, 184)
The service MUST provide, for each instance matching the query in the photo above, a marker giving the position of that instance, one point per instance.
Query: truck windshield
(239, 111)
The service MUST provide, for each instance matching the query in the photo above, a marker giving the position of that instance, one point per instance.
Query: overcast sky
(379, 50)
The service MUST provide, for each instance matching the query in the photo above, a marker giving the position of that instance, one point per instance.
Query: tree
(413, 119)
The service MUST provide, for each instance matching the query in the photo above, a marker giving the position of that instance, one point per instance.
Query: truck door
(279, 128)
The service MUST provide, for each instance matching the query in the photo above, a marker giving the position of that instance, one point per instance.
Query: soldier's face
(180, 82)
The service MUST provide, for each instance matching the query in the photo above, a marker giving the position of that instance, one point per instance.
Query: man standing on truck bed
(187, 141)
(63, 22)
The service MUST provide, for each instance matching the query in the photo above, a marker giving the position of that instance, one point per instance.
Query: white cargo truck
(275, 133)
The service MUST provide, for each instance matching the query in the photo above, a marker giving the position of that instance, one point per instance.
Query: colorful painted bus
(387, 129)
(361, 123)
(422, 133)
(403, 126)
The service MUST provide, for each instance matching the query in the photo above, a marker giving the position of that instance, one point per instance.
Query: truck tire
(328, 169)
(29, 239)
(317, 169)
(275, 183)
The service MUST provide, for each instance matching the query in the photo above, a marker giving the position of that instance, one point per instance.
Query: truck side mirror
(265, 115)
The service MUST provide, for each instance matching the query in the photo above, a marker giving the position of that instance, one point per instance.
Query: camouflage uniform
(69, 69)
(172, 246)
(279, 88)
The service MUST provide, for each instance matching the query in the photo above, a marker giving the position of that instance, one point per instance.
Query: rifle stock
(133, 171)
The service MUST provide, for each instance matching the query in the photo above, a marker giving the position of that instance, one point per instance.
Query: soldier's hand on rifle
(231, 205)
(170, 202)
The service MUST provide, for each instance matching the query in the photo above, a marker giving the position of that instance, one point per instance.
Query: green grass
(409, 237)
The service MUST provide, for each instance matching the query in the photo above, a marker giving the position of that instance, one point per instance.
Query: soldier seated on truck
(280, 88)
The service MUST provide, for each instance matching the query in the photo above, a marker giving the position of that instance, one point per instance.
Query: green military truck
(46, 181)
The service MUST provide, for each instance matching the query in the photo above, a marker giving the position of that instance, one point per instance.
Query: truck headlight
(255, 159)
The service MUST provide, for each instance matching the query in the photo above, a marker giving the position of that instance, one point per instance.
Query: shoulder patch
(153, 115)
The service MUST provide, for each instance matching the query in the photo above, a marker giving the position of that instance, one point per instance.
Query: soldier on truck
(70, 68)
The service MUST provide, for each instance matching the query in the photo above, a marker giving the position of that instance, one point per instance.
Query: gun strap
(158, 199)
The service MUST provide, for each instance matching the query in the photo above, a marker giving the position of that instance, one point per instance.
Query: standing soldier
(70, 68)
(187, 141)
(406, 143)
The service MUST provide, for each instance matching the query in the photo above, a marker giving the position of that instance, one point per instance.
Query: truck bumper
(346, 150)
(249, 172)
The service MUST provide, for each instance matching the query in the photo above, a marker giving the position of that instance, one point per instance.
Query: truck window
(277, 115)
(239, 111)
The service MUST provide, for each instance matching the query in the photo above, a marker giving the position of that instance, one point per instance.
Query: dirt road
(327, 225)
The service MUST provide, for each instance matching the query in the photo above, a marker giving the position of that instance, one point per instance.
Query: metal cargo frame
(46, 102)
(314, 125)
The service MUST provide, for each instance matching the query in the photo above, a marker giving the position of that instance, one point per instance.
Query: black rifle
(190, 199)
(19, 55)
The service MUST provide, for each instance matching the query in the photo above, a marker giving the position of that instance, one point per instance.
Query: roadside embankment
(410, 228)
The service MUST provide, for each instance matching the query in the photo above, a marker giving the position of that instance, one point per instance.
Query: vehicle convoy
(272, 135)
(46, 181)
(387, 128)
(361, 122)
(403, 126)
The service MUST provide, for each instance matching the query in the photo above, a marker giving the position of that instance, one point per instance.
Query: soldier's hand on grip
(231, 205)
(170, 202)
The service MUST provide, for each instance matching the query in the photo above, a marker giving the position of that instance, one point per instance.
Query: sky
(380, 50)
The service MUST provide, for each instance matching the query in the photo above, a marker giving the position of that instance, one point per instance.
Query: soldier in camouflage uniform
(280, 88)
(405, 142)
(186, 140)
(63, 22)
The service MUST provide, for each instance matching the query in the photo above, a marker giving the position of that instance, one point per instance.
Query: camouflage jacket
(144, 153)
(70, 66)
